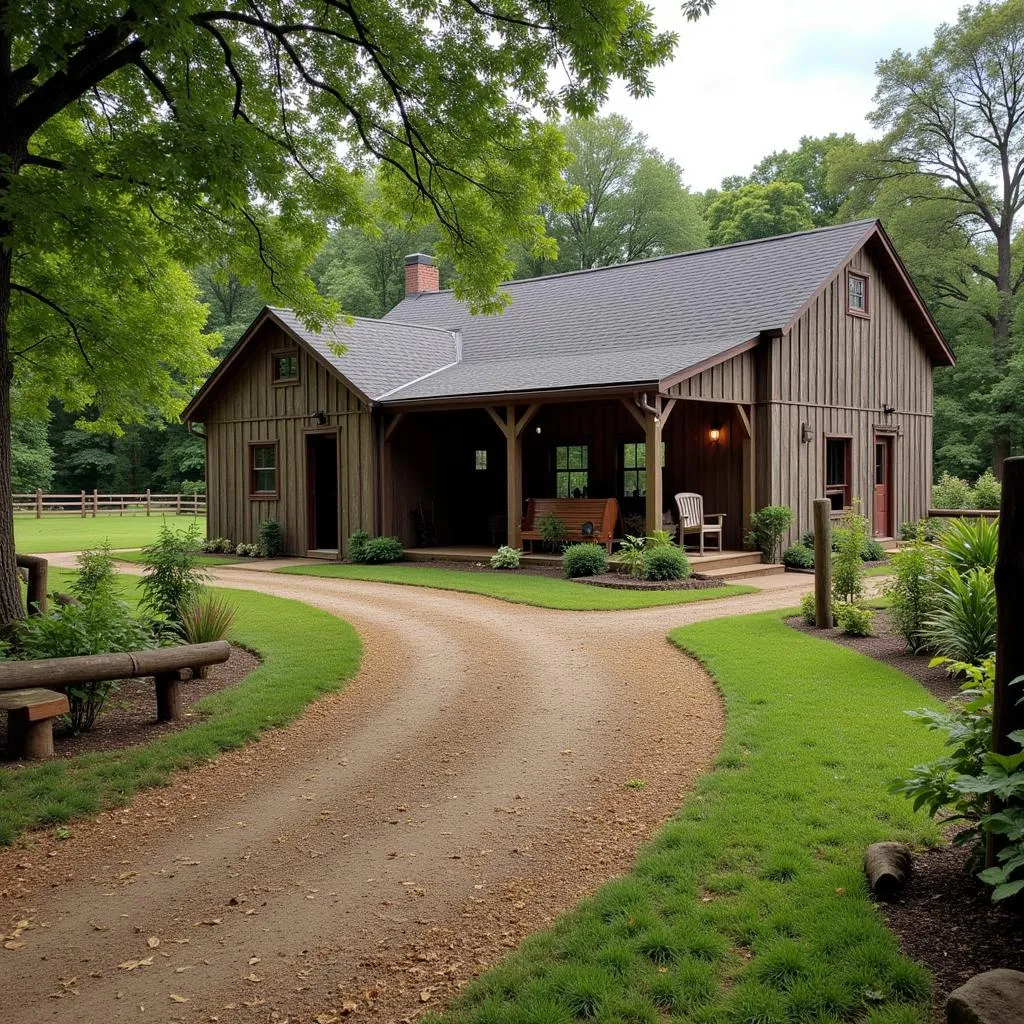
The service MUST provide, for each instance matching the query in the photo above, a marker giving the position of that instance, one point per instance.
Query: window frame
(251, 470)
(568, 471)
(847, 488)
(477, 466)
(865, 278)
(285, 353)
(638, 470)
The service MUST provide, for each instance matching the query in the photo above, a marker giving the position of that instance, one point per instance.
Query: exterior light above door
(715, 433)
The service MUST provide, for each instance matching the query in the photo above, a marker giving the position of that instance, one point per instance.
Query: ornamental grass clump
(206, 619)
(970, 544)
(666, 563)
(962, 624)
(584, 560)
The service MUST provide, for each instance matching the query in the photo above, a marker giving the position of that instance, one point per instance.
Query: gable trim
(712, 361)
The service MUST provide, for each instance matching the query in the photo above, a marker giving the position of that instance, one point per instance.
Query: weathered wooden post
(39, 503)
(95, 502)
(1007, 700)
(82, 495)
(147, 501)
(823, 563)
(37, 573)
(177, 504)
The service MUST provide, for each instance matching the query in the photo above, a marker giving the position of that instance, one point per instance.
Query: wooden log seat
(30, 715)
(573, 513)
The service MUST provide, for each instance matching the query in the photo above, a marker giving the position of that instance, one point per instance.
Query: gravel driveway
(466, 787)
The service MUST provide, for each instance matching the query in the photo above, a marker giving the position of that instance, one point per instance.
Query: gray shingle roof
(380, 355)
(635, 323)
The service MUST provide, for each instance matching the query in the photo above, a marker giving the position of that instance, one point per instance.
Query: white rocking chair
(693, 520)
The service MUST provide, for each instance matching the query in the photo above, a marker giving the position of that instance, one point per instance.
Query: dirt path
(465, 788)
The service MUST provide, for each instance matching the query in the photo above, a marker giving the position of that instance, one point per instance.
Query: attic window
(857, 294)
(286, 367)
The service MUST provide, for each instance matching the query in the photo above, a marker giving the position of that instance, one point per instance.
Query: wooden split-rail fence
(93, 503)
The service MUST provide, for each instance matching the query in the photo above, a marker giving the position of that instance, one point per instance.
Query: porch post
(746, 415)
(514, 477)
(652, 456)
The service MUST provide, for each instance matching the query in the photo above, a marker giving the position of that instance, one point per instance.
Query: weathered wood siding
(249, 407)
(731, 381)
(835, 371)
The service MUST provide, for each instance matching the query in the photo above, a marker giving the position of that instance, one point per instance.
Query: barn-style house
(767, 372)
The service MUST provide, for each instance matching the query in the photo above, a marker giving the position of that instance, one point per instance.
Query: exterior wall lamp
(715, 433)
(806, 433)
(319, 417)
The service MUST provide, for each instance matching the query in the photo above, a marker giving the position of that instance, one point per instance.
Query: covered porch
(460, 475)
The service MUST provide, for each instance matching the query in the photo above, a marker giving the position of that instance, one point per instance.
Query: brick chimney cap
(419, 257)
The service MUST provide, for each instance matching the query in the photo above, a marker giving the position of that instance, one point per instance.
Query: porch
(460, 476)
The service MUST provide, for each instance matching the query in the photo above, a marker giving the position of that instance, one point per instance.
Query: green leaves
(758, 211)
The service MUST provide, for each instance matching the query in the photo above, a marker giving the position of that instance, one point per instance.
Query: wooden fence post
(823, 563)
(38, 569)
(83, 504)
(1007, 700)
(39, 503)
(95, 502)
(147, 501)
(177, 508)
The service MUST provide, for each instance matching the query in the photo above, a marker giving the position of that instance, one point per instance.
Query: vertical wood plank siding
(250, 407)
(835, 372)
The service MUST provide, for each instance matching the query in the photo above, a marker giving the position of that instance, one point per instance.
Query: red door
(882, 510)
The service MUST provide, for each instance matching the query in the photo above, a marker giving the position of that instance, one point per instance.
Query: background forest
(944, 176)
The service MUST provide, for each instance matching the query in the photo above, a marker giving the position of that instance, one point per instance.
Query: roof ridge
(667, 256)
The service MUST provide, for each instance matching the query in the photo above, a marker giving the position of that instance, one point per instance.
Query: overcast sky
(756, 75)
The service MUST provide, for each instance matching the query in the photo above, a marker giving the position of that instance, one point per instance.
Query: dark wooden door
(322, 473)
(882, 509)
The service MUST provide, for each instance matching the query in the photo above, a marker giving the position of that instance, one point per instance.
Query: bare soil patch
(129, 715)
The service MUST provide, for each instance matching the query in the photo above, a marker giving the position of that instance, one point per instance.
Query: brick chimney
(420, 274)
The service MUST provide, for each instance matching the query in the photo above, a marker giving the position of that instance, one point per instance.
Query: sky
(755, 75)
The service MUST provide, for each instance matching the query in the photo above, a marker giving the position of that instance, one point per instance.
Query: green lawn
(72, 533)
(293, 673)
(750, 906)
(542, 591)
(137, 556)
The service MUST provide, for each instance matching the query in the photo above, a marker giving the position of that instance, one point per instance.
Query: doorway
(882, 505)
(322, 480)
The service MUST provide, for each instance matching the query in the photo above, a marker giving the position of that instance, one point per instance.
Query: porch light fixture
(887, 409)
(319, 417)
(715, 433)
(806, 433)
(537, 429)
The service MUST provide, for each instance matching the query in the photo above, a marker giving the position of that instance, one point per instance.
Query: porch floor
(727, 564)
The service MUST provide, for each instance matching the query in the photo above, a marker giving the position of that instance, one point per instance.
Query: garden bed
(619, 581)
(129, 717)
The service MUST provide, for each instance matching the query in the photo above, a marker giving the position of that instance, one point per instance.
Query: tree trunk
(1002, 344)
(11, 607)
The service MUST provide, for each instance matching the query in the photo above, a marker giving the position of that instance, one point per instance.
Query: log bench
(30, 715)
(573, 513)
(27, 688)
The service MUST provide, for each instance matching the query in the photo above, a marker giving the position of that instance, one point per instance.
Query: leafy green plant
(584, 560)
(552, 532)
(809, 611)
(848, 564)
(797, 556)
(378, 550)
(962, 624)
(356, 544)
(952, 492)
(971, 544)
(173, 577)
(666, 563)
(872, 551)
(912, 590)
(632, 555)
(929, 529)
(766, 529)
(505, 558)
(659, 539)
(247, 550)
(226, 547)
(207, 618)
(96, 574)
(271, 542)
(988, 491)
(854, 620)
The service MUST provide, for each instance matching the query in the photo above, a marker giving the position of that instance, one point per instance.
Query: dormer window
(856, 294)
(286, 367)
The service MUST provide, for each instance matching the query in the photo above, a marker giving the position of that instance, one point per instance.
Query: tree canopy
(758, 211)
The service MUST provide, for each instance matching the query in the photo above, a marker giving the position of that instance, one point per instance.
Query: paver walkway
(466, 787)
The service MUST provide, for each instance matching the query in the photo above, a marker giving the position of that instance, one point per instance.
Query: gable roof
(634, 324)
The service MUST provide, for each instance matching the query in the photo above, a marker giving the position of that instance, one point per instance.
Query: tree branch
(60, 310)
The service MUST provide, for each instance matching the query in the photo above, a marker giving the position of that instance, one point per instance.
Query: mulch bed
(944, 919)
(129, 716)
(554, 571)
(620, 582)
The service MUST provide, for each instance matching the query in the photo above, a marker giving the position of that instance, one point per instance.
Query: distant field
(72, 533)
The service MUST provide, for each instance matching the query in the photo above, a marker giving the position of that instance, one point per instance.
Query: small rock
(994, 997)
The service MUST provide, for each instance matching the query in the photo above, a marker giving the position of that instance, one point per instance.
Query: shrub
(271, 542)
(96, 574)
(848, 564)
(913, 591)
(807, 539)
(191, 487)
(666, 563)
(356, 543)
(808, 609)
(632, 555)
(226, 547)
(766, 529)
(584, 560)
(952, 492)
(247, 550)
(659, 539)
(505, 558)
(552, 531)
(798, 557)
(970, 544)
(382, 549)
(173, 577)
(854, 620)
(987, 491)
(872, 551)
(206, 619)
(962, 625)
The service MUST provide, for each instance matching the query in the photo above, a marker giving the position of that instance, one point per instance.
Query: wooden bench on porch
(574, 513)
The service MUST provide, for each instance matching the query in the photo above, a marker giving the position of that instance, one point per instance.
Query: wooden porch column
(652, 456)
(387, 511)
(514, 477)
(746, 415)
